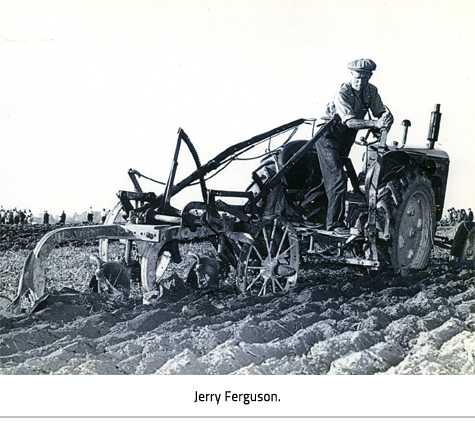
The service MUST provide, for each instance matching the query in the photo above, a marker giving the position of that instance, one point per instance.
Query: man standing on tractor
(348, 109)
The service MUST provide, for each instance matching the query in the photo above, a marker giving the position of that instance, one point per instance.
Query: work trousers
(334, 145)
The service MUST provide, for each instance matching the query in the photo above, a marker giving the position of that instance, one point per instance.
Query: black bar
(237, 398)
(240, 194)
(216, 162)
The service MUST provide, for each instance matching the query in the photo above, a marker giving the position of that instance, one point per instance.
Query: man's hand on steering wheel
(364, 140)
(386, 120)
(374, 127)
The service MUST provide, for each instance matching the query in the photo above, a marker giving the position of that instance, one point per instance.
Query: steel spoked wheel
(269, 264)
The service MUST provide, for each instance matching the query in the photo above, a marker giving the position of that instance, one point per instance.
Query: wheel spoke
(286, 230)
(258, 253)
(266, 241)
(253, 281)
(274, 226)
(263, 288)
(276, 281)
(284, 253)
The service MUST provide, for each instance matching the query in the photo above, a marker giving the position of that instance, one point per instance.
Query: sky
(90, 89)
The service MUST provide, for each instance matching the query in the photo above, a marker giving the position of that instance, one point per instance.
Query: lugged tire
(276, 202)
(410, 205)
(266, 170)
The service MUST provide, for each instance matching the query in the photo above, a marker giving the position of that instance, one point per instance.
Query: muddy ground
(338, 320)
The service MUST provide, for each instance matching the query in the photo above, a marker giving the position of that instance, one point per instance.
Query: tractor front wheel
(412, 221)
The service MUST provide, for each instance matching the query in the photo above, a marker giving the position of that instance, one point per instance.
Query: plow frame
(153, 225)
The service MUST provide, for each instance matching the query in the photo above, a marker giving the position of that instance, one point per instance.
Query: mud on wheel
(269, 264)
(409, 205)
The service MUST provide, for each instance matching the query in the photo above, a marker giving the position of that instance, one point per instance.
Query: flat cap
(362, 65)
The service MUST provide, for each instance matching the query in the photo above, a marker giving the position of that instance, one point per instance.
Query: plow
(260, 233)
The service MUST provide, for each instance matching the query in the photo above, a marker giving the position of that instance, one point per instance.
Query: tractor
(260, 233)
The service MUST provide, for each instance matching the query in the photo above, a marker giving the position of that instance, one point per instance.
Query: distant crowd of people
(15, 216)
(459, 215)
(21, 217)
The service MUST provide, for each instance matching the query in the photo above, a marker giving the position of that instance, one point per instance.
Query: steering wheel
(376, 132)
(364, 140)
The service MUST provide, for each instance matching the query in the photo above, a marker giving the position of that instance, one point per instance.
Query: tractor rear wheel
(299, 196)
(275, 202)
(410, 203)
(266, 170)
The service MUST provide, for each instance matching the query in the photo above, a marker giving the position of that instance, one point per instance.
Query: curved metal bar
(33, 278)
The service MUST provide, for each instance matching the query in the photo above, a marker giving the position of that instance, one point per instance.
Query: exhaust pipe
(434, 126)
